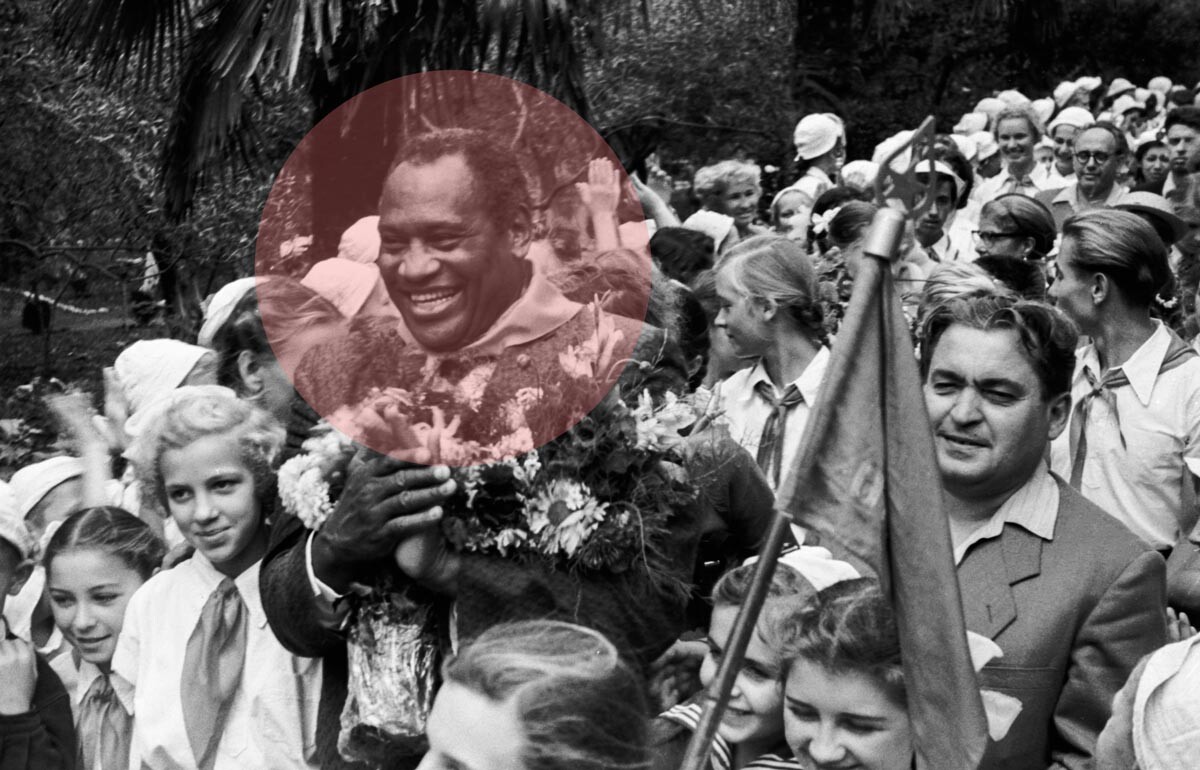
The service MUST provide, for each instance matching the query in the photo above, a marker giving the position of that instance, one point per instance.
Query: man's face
(1184, 144)
(1064, 144)
(449, 268)
(931, 226)
(1016, 141)
(989, 419)
(1096, 161)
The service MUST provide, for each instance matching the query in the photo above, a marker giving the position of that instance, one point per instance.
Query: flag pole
(883, 243)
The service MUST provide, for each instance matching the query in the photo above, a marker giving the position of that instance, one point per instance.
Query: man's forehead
(982, 353)
(1095, 137)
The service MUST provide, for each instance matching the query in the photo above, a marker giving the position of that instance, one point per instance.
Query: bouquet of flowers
(598, 499)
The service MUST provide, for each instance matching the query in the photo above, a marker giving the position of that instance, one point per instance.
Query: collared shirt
(87, 674)
(1050, 178)
(745, 412)
(1033, 507)
(1071, 197)
(1143, 484)
(1001, 183)
(272, 722)
(1169, 185)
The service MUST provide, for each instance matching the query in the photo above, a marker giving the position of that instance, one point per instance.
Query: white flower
(594, 357)
(658, 429)
(564, 515)
(577, 361)
(304, 491)
(821, 222)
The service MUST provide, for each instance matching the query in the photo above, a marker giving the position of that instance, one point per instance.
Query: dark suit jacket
(1073, 616)
(640, 620)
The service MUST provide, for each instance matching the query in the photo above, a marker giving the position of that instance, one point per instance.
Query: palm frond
(147, 36)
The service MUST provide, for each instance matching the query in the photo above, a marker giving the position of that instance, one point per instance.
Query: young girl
(768, 311)
(844, 697)
(213, 687)
(751, 731)
(94, 563)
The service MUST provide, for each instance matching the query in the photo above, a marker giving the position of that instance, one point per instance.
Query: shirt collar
(809, 381)
(1033, 507)
(247, 586)
(1070, 194)
(539, 310)
(944, 250)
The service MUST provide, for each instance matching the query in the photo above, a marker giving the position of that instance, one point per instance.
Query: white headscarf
(220, 306)
(33, 482)
(151, 369)
(345, 283)
(360, 243)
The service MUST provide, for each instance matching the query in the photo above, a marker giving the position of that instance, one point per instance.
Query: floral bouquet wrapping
(598, 499)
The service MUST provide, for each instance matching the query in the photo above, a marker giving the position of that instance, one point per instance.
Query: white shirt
(1050, 178)
(990, 189)
(1143, 484)
(1033, 507)
(272, 722)
(1071, 197)
(745, 412)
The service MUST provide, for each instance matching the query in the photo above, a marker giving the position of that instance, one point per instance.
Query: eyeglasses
(1086, 157)
(988, 238)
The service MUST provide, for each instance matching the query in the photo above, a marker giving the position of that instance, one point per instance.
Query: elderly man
(1072, 598)
(1099, 150)
(1063, 130)
(455, 222)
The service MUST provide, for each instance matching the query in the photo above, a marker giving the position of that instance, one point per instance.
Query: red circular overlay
(441, 268)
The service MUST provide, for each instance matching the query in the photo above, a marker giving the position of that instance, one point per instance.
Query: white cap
(1126, 103)
(990, 106)
(965, 145)
(1072, 116)
(713, 224)
(1160, 84)
(1119, 86)
(1063, 92)
(12, 523)
(1013, 98)
(971, 122)
(220, 306)
(1088, 83)
(360, 243)
(33, 482)
(1043, 108)
(345, 283)
(859, 174)
(816, 135)
(986, 145)
(816, 565)
(943, 169)
(148, 369)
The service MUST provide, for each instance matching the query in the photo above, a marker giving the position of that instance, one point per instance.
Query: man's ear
(250, 372)
(1101, 288)
(20, 575)
(1058, 412)
(521, 232)
(1027, 247)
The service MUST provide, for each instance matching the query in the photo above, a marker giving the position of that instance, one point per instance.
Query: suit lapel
(988, 574)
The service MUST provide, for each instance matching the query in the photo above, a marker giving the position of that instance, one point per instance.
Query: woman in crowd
(732, 188)
(1015, 236)
(1017, 132)
(1153, 163)
(844, 691)
(537, 695)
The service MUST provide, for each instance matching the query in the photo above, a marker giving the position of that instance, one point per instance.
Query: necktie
(104, 729)
(770, 444)
(1177, 353)
(212, 670)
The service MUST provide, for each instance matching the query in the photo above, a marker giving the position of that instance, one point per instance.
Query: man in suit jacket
(1072, 597)
(455, 223)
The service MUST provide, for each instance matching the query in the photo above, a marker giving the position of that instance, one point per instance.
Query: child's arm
(36, 727)
(74, 414)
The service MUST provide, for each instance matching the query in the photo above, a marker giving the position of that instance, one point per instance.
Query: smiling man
(1099, 150)
(1072, 597)
(456, 223)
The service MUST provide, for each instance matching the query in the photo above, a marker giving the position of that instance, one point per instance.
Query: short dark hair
(497, 168)
(1047, 336)
(114, 531)
(1184, 116)
(682, 253)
